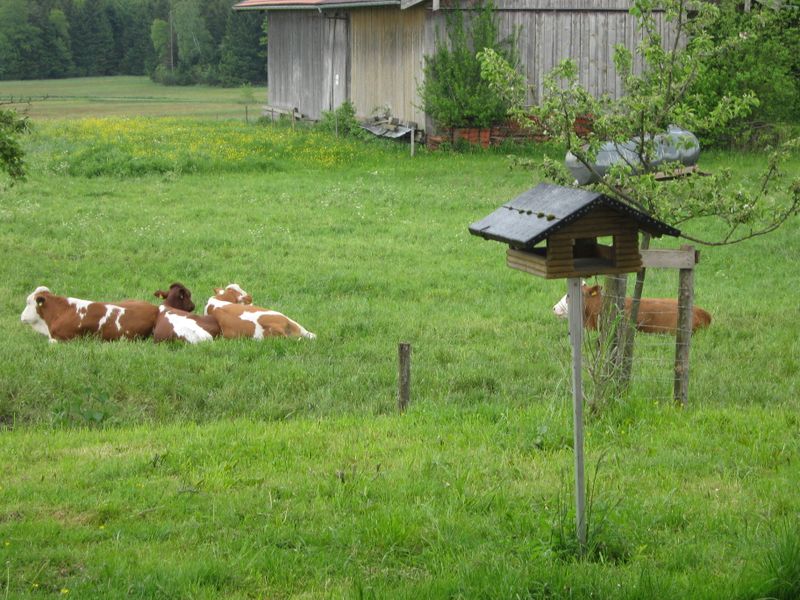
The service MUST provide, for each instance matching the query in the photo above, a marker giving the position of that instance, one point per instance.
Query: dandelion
(64, 591)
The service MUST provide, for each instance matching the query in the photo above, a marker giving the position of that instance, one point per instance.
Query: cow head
(234, 294)
(178, 297)
(561, 308)
(32, 315)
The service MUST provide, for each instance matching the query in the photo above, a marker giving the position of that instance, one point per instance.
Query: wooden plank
(526, 268)
(403, 375)
(588, 232)
(683, 336)
(669, 259)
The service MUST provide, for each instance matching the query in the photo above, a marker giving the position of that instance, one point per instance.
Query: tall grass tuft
(777, 576)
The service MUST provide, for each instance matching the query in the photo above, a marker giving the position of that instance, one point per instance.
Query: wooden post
(627, 355)
(413, 135)
(575, 310)
(683, 336)
(614, 323)
(404, 375)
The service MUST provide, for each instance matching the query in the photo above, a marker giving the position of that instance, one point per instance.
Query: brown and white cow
(61, 318)
(656, 315)
(230, 294)
(175, 319)
(237, 317)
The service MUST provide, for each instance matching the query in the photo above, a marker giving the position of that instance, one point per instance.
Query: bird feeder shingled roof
(570, 220)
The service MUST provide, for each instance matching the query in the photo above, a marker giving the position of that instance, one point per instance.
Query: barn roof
(309, 4)
(534, 215)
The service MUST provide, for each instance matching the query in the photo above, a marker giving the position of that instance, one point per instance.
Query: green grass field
(282, 469)
(128, 96)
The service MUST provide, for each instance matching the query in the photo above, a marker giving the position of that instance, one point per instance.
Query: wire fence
(652, 371)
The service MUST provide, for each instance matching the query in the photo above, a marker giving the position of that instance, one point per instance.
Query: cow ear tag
(593, 293)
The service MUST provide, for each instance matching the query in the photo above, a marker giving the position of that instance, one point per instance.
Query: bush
(11, 153)
(453, 92)
(765, 61)
(342, 121)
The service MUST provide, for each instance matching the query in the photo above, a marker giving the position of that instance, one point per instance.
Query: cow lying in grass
(175, 319)
(656, 315)
(62, 318)
(237, 317)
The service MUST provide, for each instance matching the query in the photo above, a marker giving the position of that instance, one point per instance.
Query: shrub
(342, 121)
(766, 62)
(453, 92)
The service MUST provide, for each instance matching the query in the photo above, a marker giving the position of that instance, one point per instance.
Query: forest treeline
(172, 41)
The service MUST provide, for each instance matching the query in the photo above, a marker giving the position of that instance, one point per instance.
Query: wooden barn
(371, 52)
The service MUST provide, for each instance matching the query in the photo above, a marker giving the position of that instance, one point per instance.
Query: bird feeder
(557, 232)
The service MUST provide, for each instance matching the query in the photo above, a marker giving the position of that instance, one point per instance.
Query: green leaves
(11, 153)
(453, 93)
(658, 78)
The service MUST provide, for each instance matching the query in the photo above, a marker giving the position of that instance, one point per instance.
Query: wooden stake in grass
(575, 295)
(683, 337)
(404, 375)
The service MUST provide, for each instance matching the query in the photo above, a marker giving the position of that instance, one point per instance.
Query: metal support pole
(575, 303)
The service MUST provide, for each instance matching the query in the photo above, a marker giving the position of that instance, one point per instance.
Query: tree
(92, 39)
(160, 35)
(194, 40)
(11, 153)
(654, 97)
(766, 61)
(20, 42)
(56, 39)
(242, 56)
(453, 92)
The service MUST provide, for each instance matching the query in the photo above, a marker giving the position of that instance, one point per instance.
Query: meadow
(283, 469)
(128, 95)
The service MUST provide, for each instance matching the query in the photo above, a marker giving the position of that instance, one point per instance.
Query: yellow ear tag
(593, 293)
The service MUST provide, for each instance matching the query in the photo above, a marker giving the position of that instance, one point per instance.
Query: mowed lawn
(129, 96)
(282, 469)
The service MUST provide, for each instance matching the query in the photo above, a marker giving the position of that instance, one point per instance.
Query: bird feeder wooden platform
(554, 232)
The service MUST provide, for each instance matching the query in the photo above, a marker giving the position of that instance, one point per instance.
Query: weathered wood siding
(375, 56)
(386, 52)
(550, 31)
(308, 60)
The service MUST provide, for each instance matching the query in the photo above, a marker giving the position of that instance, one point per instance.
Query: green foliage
(192, 35)
(243, 56)
(159, 34)
(765, 61)
(341, 122)
(92, 39)
(125, 147)
(195, 41)
(653, 98)
(453, 92)
(11, 152)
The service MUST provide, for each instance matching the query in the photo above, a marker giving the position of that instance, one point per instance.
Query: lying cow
(656, 315)
(231, 294)
(175, 319)
(237, 317)
(61, 318)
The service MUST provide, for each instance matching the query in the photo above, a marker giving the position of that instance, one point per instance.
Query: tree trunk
(628, 333)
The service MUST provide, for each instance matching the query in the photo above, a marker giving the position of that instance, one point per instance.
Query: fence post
(404, 375)
(683, 335)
